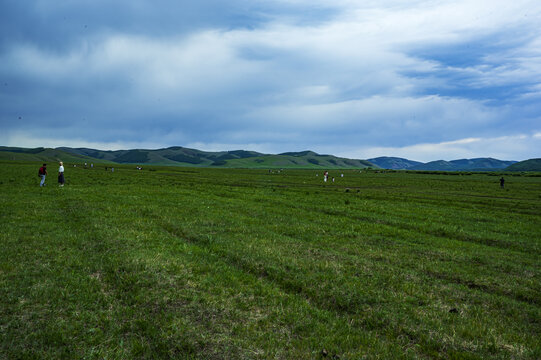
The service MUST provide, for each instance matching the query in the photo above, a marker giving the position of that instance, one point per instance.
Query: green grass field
(194, 263)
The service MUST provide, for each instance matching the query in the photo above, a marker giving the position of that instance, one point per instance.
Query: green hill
(478, 164)
(394, 163)
(526, 165)
(42, 155)
(481, 164)
(439, 165)
(175, 155)
(181, 156)
(306, 161)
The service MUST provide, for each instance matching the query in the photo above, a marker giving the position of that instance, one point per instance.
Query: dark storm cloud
(59, 25)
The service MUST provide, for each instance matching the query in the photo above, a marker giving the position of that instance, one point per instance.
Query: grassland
(195, 263)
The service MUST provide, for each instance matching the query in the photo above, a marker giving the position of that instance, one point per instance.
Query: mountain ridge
(182, 156)
(526, 165)
(393, 163)
(475, 164)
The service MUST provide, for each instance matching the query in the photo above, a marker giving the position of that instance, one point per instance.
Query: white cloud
(361, 49)
(515, 147)
(28, 140)
(343, 79)
(264, 148)
(362, 40)
(381, 119)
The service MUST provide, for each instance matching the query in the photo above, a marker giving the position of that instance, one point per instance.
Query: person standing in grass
(42, 173)
(502, 182)
(61, 174)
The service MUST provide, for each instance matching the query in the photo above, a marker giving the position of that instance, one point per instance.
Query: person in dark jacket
(42, 174)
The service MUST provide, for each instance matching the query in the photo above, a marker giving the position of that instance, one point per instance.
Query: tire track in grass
(274, 275)
(530, 299)
(272, 278)
(117, 324)
(201, 241)
(260, 270)
(401, 193)
(268, 272)
(523, 297)
(380, 217)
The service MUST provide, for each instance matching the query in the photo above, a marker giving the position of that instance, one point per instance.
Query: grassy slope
(479, 164)
(288, 162)
(203, 263)
(47, 155)
(386, 162)
(231, 159)
(527, 165)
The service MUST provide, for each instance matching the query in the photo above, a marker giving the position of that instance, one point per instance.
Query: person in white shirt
(61, 174)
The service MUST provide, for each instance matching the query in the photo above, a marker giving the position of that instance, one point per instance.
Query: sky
(420, 79)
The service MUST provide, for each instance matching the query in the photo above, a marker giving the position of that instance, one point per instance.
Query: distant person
(502, 182)
(61, 180)
(42, 173)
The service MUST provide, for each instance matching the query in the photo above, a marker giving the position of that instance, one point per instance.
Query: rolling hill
(394, 163)
(42, 155)
(304, 159)
(526, 165)
(180, 156)
(176, 155)
(478, 164)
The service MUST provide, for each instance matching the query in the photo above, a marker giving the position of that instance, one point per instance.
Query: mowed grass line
(221, 226)
(328, 329)
(250, 263)
(244, 264)
(429, 219)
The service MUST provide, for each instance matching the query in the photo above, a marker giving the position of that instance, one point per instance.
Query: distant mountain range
(394, 163)
(479, 164)
(181, 156)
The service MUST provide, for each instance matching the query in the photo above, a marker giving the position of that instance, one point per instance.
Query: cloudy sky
(421, 79)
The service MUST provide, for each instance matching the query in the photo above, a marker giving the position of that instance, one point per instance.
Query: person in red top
(42, 173)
